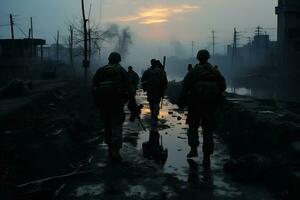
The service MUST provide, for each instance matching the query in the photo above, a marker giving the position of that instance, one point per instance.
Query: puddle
(172, 129)
(91, 190)
(140, 191)
(172, 177)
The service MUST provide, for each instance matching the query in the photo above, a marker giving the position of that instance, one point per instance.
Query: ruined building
(19, 57)
(288, 12)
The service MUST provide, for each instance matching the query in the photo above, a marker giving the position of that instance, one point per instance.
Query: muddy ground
(58, 132)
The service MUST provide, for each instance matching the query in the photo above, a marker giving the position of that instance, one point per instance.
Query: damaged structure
(19, 56)
(288, 12)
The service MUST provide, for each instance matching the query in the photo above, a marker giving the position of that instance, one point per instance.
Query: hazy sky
(156, 24)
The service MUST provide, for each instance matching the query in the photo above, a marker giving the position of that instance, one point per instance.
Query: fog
(143, 30)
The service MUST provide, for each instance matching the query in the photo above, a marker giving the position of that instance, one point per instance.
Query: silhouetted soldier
(154, 82)
(133, 78)
(112, 90)
(190, 67)
(203, 86)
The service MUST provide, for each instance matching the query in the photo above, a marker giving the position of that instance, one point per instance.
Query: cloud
(158, 14)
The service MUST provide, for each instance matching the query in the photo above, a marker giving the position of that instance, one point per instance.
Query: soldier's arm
(96, 78)
(137, 79)
(221, 82)
(144, 77)
(145, 80)
(127, 86)
(186, 85)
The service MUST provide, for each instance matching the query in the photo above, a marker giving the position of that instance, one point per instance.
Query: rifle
(136, 115)
(164, 67)
(141, 123)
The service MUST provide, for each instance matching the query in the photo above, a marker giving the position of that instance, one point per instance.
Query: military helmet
(114, 56)
(203, 54)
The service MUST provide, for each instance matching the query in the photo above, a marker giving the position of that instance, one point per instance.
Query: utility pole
(213, 42)
(31, 28)
(85, 61)
(57, 47)
(250, 48)
(71, 45)
(90, 44)
(258, 31)
(234, 45)
(192, 49)
(12, 26)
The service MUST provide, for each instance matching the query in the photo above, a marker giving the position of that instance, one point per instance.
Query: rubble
(16, 88)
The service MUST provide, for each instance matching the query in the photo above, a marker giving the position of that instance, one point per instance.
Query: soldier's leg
(208, 126)
(153, 109)
(105, 118)
(193, 136)
(116, 132)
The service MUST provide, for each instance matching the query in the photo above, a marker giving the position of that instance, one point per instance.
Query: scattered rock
(57, 132)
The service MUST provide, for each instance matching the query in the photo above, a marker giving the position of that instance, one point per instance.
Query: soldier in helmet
(133, 78)
(154, 82)
(112, 90)
(203, 87)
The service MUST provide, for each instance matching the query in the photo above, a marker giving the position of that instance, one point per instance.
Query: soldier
(133, 78)
(111, 91)
(154, 82)
(203, 87)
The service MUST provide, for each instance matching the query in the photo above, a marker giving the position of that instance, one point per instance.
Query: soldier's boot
(206, 161)
(193, 152)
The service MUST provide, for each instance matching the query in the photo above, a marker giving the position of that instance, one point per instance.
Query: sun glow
(158, 14)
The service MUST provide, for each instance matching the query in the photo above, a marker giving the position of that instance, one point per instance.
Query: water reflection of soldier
(154, 82)
(200, 182)
(203, 87)
(133, 78)
(154, 150)
(111, 91)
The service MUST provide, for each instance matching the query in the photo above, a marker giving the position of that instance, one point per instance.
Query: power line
(235, 44)
(213, 40)
(21, 30)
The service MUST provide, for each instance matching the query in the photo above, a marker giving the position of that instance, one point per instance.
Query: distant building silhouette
(19, 57)
(288, 12)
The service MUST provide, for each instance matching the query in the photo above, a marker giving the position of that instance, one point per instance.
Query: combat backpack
(110, 85)
(155, 80)
(205, 87)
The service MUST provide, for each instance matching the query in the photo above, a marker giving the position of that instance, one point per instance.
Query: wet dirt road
(141, 178)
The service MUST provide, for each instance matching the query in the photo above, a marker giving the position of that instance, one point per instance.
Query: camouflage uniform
(201, 111)
(111, 103)
(154, 82)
